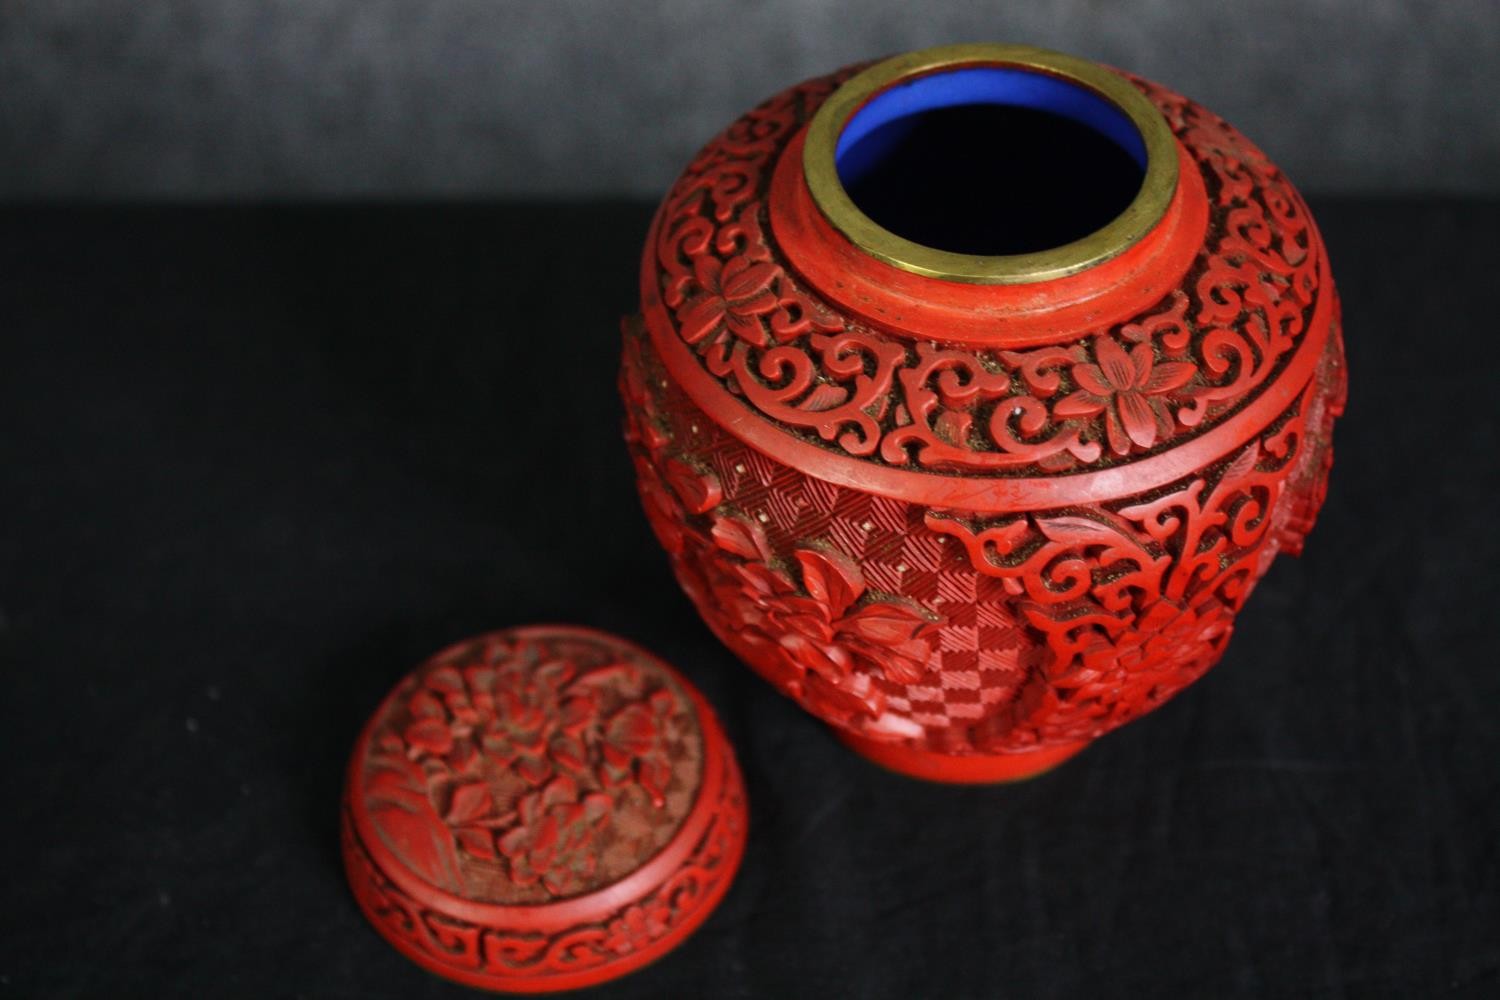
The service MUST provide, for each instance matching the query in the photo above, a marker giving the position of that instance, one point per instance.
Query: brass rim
(1150, 203)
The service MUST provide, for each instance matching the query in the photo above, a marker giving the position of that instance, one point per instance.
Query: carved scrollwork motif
(1135, 598)
(1089, 615)
(1107, 396)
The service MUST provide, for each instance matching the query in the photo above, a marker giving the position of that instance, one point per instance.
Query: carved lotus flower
(733, 296)
(1129, 389)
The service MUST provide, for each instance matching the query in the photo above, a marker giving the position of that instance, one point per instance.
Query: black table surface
(259, 461)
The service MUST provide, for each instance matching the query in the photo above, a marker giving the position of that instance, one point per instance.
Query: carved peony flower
(1170, 635)
(632, 747)
(1125, 387)
(517, 762)
(554, 841)
(1115, 679)
(830, 648)
(448, 710)
(732, 296)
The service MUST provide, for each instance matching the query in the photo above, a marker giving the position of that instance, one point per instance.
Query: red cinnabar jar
(973, 391)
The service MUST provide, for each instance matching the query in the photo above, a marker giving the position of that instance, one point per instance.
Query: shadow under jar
(972, 392)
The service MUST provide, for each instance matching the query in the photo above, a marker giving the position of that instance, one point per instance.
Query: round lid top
(987, 277)
(541, 808)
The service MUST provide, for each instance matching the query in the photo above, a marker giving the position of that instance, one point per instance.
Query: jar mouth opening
(990, 164)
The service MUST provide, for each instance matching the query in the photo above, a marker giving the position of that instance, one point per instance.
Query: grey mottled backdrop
(495, 98)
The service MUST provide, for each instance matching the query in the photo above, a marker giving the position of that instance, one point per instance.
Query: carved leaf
(832, 578)
(568, 751)
(745, 280)
(477, 841)
(885, 622)
(733, 534)
(699, 491)
(431, 735)
(1081, 532)
(421, 841)
(824, 397)
(394, 786)
(534, 769)
(632, 729)
(515, 841)
(424, 705)
(909, 661)
(560, 790)
(1169, 375)
(465, 756)
(469, 802)
(1242, 464)
(579, 707)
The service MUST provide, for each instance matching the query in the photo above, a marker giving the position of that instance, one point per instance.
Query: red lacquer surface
(977, 526)
(541, 809)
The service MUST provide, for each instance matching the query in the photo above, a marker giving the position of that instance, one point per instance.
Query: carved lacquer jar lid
(541, 809)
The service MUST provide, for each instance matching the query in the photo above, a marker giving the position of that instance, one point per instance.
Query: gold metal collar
(1157, 187)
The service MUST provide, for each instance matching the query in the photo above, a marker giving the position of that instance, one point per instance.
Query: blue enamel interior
(885, 118)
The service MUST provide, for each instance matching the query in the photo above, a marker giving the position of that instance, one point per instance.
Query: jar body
(973, 557)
